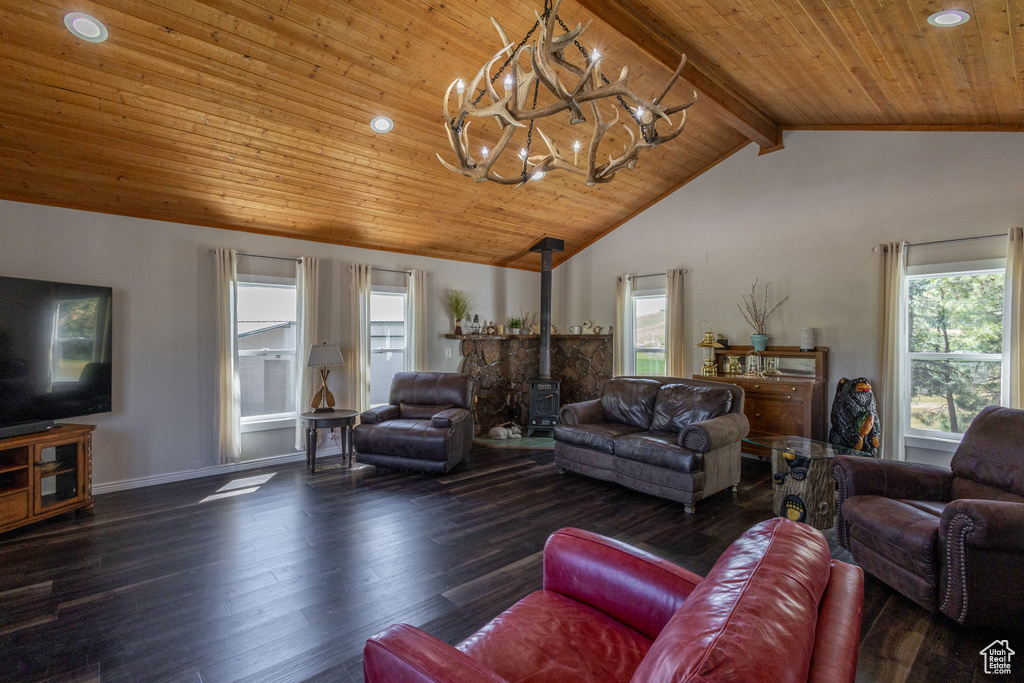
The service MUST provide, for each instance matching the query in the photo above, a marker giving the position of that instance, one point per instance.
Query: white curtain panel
(307, 289)
(1015, 309)
(416, 322)
(893, 326)
(229, 394)
(674, 334)
(622, 348)
(359, 368)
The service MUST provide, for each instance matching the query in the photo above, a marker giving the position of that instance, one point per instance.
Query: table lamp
(322, 356)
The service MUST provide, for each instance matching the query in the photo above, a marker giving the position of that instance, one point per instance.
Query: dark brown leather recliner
(427, 426)
(951, 540)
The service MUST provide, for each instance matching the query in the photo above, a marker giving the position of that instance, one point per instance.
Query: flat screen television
(55, 353)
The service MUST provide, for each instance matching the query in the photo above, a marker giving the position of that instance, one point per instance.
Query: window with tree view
(955, 352)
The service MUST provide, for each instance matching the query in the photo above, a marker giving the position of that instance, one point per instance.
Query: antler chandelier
(516, 110)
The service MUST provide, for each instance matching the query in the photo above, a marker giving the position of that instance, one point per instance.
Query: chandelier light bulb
(483, 152)
(460, 86)
(595, 54)
(522, 153)
(639, 112)
(576, 146)
(508, 82)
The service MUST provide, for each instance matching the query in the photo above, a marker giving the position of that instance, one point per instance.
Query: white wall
(163, 280)
(806, 219)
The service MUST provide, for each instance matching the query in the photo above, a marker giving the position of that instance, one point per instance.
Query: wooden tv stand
(46, 474)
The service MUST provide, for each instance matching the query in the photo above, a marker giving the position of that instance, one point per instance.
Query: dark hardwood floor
(286, 581)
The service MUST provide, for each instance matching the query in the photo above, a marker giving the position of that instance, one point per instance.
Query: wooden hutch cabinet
(45, 474)
(793, 402)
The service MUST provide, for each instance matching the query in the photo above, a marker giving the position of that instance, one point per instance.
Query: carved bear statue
(855, 417)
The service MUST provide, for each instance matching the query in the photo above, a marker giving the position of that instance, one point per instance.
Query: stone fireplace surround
(503, 365)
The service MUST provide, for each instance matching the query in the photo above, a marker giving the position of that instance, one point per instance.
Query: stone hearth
(503, 367)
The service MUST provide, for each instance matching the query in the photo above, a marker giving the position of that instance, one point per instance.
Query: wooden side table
(345, 419)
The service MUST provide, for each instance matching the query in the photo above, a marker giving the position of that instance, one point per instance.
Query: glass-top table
(802, 446)
(802, 486)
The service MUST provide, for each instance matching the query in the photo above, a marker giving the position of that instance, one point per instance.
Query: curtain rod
(637, 277)
(272, 258)
(907, 245)
(958, 239)
(385, 270)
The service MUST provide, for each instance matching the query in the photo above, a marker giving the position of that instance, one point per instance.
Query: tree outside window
(955, 348)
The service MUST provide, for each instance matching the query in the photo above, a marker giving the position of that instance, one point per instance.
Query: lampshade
(324, 355)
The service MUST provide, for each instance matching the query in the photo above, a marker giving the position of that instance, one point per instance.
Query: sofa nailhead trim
(842, 526)
(961, 545)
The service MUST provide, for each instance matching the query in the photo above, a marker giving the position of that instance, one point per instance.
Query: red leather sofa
(775, 607)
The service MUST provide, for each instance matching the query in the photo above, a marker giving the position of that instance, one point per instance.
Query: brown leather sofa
(775, 607)
(951, 540)
(674, 438)
(426, 426)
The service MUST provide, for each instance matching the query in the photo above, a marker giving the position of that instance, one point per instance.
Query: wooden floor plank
(286, 583)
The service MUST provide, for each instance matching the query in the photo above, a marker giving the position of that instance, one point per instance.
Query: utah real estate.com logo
(997, 657)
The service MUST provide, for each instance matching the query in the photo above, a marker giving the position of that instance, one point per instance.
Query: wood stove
(544, 391)
(544, 404)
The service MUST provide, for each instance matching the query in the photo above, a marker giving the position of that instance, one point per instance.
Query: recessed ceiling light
(85, 27)
(949, 17)
(381, 124)
(538, 175)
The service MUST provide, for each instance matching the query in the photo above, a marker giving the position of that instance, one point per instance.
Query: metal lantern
(709, 345)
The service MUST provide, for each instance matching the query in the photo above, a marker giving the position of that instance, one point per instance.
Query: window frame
(933, 438)
(649, 293)
(268, 421)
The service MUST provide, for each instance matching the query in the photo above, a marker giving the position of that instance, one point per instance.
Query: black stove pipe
(546, 246)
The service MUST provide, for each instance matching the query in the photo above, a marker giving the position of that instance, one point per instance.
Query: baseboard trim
(155, 480)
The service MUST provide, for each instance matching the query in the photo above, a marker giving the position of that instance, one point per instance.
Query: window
(267, 327)
(955, 352)
(387, 339)
(649, 339)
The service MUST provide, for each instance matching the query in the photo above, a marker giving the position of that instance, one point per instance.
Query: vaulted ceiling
(254, 115)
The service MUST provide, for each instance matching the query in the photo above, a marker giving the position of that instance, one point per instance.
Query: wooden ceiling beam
(719, 98)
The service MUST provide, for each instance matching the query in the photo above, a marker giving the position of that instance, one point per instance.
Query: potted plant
(514, 325)
(458, 303)
(756, 314)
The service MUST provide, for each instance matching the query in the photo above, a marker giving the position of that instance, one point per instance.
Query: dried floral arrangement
(458, 303)
(756, 312)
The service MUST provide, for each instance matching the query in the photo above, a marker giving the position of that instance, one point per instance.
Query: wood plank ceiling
(253, 115)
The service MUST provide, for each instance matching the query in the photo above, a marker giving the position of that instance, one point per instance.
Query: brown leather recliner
(426, 426)
(951, 540)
